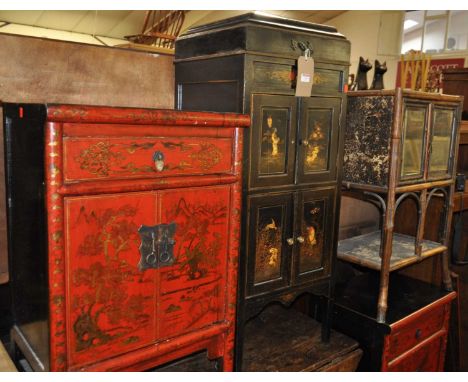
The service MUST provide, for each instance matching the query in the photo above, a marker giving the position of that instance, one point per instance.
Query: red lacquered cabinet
(136, 242)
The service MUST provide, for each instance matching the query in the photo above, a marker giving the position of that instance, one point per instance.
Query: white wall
(377, 35)
(370, 41)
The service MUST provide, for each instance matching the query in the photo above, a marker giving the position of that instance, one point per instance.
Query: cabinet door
(313, 235)
(268, 233)
(192, 289)
(318, 139)
(272, 143)
(413, 145)
(111, 304)
(441, 142)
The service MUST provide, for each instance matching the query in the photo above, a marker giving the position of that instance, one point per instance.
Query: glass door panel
(441, 142)
(413, 141)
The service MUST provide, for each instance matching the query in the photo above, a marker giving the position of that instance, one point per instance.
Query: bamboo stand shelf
(364, 250)
(400, 144)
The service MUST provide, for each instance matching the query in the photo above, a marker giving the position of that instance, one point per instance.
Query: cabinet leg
(326, 320)
(446, 279)
(238, 352)
(228, 356)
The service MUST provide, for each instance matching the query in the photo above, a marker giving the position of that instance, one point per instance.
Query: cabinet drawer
(104, 158)
(281, 76)
(424, 358)
(415, 331)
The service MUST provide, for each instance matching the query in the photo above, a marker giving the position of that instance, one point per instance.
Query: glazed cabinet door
(441, 142)
(110, 303)
(270, 242)
(313, 239)
(272, 140)
(415, 119)
(318, 139)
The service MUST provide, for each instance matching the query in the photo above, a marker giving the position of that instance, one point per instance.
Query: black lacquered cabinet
(292, 153)
(289, 241)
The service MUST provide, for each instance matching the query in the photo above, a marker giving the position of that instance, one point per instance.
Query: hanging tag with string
(305, 74)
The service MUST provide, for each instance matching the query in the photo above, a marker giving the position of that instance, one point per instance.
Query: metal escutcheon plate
(157, 246)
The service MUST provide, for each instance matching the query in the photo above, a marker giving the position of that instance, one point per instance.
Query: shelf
(416, 186)
(364, 250)
(287, 340)
(406, 296)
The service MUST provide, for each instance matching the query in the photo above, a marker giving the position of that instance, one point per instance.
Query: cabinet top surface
(136, 116)
(406, 93)
(406, 296)
(266, 20)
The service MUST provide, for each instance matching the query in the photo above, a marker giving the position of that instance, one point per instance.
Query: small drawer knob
(158, 158)
(300, 239)
(290, 241)
(418, 333)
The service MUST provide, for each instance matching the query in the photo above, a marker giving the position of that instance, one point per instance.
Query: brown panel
(40, 70)
(3, 223)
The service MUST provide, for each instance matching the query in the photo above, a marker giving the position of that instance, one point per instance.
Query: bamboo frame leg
(385, 253)
(421, 222)
(446, 279)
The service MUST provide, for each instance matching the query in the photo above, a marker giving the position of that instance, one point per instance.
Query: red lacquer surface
(125, 115)
(123, 158)
(105, 314)
(193, 289)
(111, 304)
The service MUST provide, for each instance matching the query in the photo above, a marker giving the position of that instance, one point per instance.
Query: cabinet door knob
(290, 241)
(300, 239)
(304, 142)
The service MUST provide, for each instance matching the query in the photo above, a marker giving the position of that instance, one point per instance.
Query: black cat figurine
(379, 71)
(361, 77)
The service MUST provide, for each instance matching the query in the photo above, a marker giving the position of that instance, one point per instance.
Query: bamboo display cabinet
(400, 144)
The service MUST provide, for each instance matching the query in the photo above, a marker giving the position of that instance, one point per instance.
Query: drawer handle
(302, 45)
(158, 159)
(290, 241)
(300, 239)
(418, 334)
(157, 246)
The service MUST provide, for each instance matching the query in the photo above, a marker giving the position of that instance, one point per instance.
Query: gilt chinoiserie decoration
(293, 152)
(132, 261)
